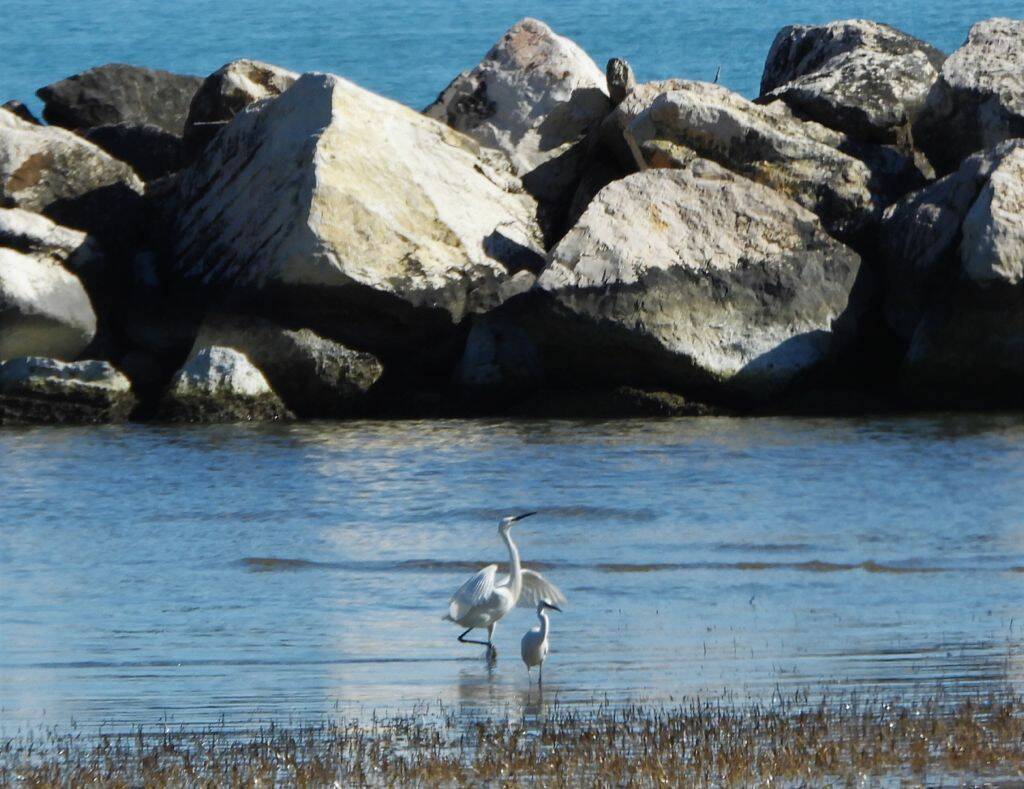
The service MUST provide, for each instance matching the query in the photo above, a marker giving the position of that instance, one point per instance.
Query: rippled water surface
(409, 50)
(289, 571)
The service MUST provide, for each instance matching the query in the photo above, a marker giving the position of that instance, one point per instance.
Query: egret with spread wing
(486, 597)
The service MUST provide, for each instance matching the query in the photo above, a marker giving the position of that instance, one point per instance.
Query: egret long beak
(553, 607)
(515, 518)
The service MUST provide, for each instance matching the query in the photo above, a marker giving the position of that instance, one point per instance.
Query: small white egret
(534, 646)
(485, 597)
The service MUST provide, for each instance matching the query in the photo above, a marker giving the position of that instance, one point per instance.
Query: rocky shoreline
(545, 239)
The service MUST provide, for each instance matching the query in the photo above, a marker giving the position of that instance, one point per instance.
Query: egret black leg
(465, 640)
(490, 637)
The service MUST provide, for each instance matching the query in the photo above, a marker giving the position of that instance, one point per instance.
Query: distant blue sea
(410, 50)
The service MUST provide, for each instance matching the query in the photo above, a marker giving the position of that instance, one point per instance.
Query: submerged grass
(788, 742)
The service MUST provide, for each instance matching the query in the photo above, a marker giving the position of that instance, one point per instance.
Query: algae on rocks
(221, 385)
(40, 390)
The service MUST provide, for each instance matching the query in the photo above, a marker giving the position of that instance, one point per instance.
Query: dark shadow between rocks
(515, 257)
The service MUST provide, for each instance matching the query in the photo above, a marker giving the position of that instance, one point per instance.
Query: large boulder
(534, 97)
(221, 385)
(315, 377)
(697, 280)
(341, 211)
(119, 93)
(52, 171)
(671, 123)
(44, 309)
(228, 91)
(39, 390)
(954, 264)
(978, 100)
(860, 77)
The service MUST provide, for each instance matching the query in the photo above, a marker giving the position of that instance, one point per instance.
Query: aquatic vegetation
(791, 741)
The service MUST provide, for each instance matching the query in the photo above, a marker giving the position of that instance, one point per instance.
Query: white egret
(485, 597)
(534, 646)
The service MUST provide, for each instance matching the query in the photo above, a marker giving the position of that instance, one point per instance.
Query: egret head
(506, 523)
(544, 604)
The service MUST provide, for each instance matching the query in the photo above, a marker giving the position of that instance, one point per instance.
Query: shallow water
(286, 572)
(410, 50)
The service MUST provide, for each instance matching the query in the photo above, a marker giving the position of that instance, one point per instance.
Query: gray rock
(52, 171)
(306, 212)
(221, 385)
(696, 280)
(150, 151)
(39, 390)
(920, 237)
(119, 93)
(621, 81)
(978, 100)
(500, 364)
(228, 91)
(534, 97)
(954, 256)
(44, 309)
(863, 78)
(670, 124)
(315, 377)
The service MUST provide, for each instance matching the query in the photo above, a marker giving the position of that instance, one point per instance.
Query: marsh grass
(789, 742)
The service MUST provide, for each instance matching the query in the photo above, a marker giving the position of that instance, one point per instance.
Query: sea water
(288, 572)
(409, 51)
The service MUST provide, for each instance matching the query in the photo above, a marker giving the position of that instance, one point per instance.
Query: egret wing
(536, 588)
(475, 591)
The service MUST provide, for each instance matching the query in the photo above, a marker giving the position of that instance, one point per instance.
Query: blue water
(411, 50)
(287, 572)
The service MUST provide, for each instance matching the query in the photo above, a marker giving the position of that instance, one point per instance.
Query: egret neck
(542, 615)
(516, 571)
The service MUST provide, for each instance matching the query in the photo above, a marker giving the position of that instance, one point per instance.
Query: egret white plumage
(486, 597)
(534, 646)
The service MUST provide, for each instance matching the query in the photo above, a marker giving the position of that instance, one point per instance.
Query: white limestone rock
(44, 309)
(671, 123)
(696, 279)
(221, 385)
(228, 91)
(860, 77)
(339, 210)
(953, 257)
(314, 376)
(535, 96)
(41, 390)
(978, 100)
(55, 172)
